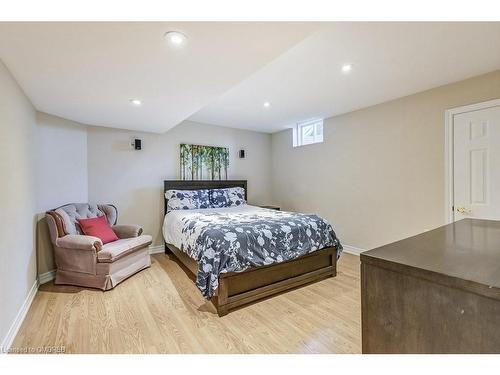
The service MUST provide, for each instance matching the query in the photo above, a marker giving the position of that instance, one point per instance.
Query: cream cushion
(115, 250)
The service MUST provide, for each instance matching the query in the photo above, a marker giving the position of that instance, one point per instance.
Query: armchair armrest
(79, 242)
(127, 230)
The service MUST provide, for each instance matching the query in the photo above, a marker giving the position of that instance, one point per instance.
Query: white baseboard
(352, 249)
(16, 324)
(46, 277)
(157, 249)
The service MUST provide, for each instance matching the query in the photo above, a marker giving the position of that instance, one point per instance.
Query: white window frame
(297, 133)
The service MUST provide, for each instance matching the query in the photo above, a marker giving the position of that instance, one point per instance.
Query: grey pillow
(219, 198)
(236, 196)
(187, 199)
(227, 197)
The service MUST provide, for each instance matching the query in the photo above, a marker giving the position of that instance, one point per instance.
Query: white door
(476, 162)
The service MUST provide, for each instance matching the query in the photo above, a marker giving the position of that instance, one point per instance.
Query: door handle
(463, 210)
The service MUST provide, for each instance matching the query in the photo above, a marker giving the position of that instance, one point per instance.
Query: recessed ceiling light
(175, 38)
(135, 102)
(346, 68)
(267, 104)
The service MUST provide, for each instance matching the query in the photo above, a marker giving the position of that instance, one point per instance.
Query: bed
(241, 254)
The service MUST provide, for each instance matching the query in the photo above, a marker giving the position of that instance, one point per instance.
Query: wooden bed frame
(240, 288)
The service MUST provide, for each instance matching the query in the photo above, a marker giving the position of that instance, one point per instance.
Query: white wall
(133, 180)
(17, 200)
(61, 162)
(61, 175)
(379, 175)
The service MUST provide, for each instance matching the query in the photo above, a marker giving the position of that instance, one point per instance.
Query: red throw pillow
(98, 227)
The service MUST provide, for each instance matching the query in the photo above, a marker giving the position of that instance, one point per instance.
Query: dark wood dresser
(437, 292)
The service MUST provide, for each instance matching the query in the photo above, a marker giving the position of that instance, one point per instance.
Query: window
(306, 133)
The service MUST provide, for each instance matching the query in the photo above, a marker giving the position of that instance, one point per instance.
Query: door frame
(449, 214)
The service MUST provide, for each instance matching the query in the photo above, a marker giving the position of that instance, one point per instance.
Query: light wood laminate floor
(160, 310)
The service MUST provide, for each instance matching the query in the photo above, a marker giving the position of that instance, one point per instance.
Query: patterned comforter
(236, 238)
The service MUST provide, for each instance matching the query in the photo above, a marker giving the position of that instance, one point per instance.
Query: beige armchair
(83, 260)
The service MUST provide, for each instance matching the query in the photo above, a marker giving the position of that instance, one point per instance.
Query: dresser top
(464, 253)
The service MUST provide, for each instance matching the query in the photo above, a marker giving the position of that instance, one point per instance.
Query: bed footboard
(240, 288)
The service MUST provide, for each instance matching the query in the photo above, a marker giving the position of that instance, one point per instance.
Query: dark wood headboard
(201, 184)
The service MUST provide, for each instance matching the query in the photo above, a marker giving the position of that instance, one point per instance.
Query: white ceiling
(87, 72)
(390, 60)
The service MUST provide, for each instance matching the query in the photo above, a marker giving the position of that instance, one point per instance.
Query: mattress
(233, 239)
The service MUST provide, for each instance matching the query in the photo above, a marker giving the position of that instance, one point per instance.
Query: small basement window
(306, 133)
